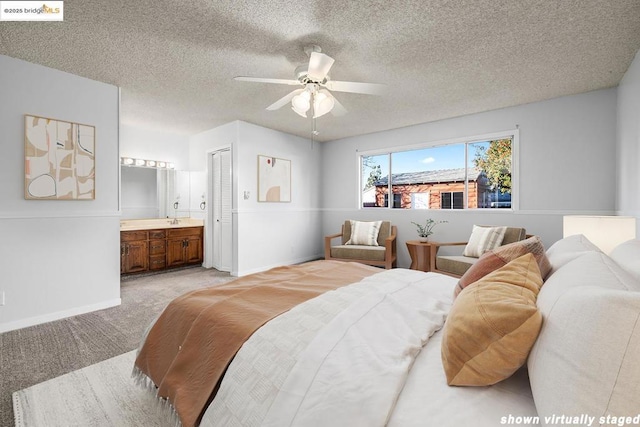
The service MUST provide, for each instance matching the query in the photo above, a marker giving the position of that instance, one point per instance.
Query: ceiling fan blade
(319, 66)
(338, 108)
(264, 80)
(284, 100)
(355, 87)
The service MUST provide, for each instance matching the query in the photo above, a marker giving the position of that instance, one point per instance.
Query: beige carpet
(39, 353)
(103, 394)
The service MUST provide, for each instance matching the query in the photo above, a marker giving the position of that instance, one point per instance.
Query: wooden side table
(420, 253)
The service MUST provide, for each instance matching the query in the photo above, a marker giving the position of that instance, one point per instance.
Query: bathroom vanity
(159, 244)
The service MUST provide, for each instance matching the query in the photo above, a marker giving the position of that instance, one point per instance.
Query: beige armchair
(383, 255)
(457, 265)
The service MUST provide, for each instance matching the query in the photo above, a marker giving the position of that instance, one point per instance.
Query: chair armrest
(327, 244)
(390, 254)
(389, 244)
(332, 236)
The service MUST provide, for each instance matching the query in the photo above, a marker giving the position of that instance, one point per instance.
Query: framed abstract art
(59, 161)
(274, 179)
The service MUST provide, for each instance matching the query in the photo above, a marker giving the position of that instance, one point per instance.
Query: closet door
(221, 210)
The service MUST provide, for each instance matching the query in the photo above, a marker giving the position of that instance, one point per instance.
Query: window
(453, 200)
(397, 200)
(475, 173)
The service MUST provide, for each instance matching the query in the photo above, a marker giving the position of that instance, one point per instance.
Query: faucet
(174, 221)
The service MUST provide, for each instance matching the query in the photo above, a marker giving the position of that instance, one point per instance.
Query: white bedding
(359, 355)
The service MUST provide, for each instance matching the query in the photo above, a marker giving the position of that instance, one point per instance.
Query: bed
(363, 347)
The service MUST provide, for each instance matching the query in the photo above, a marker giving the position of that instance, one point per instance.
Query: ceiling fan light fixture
(300, 113)
(323, 102)
(301, 103)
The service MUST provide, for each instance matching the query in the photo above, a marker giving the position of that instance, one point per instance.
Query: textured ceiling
(175, 60)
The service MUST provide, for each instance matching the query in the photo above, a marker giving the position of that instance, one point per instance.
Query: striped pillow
(364, 233)
(484, 239)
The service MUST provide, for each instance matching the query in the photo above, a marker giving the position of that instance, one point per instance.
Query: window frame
(514, 134)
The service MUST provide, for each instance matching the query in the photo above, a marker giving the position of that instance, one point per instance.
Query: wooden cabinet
(156, 250)
(184, 246)
(134, 251)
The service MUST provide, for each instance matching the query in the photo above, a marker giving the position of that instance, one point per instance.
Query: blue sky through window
(425, 159)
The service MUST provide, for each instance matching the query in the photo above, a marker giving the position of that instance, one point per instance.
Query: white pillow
(588, 269)
(483, 239)
(364, 233)
(627, 255)
(568, 249)
(586, 359)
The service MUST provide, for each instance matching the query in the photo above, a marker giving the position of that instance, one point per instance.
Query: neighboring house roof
(431, 177)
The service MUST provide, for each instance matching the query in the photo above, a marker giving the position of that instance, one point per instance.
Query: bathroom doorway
(220, 218)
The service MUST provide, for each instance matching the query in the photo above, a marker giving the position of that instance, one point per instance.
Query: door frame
(208, 223)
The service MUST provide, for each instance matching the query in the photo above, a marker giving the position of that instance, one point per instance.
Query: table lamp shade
(606, 232)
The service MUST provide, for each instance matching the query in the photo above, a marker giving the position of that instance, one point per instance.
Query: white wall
(57, 258)
(628, 142)
(272, 234)
(155, 145)
(566, 166)
(267, 234)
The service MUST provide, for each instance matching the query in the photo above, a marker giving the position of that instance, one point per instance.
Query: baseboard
(37, 320)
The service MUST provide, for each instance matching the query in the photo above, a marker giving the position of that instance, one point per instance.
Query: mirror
(154, 193)
(176, 203)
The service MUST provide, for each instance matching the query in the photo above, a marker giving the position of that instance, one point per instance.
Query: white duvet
(338, 359)
(366, 354)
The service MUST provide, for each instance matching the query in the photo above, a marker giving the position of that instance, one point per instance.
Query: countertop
(154, 224)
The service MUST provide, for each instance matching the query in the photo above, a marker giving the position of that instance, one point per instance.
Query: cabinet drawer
(157, 247)
(157, 234)
(157, 262)
(185, 232)
(130, 236)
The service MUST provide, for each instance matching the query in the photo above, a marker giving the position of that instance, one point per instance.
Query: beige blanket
(193, 341)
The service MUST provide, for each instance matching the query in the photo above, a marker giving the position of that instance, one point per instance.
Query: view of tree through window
(465, 175)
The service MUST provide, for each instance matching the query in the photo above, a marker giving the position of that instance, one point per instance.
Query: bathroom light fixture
(129, 161)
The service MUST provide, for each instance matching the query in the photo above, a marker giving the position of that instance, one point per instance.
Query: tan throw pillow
(364, 233)
(492, 325)
(501, 256)
(483, 239)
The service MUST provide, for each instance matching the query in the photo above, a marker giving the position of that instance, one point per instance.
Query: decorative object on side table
(426, 230)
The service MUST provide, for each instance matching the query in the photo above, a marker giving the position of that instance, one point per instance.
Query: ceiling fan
(316, 85)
